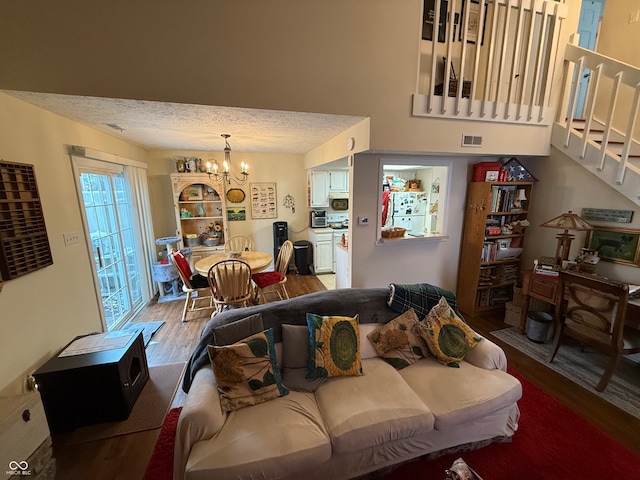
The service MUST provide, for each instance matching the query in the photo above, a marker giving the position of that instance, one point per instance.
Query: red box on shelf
(480, 170)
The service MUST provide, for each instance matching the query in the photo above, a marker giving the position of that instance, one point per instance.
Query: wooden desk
(545, 288)
(258, 261)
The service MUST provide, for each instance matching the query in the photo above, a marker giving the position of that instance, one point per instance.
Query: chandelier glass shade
(225, 174)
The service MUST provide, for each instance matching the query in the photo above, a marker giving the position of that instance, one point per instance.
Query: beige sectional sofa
(340, 427)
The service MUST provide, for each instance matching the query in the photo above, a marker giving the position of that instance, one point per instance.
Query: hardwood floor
(125, 457)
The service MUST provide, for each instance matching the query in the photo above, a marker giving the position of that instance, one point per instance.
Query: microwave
(318, 219)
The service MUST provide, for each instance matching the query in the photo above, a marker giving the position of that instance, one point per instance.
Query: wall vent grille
(471, 141)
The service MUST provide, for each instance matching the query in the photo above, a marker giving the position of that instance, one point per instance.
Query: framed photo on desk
(618, 245)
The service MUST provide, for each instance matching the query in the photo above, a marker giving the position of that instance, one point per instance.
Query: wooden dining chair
(264, 281)
(238, 243)
(592, 311)
(230, 282)
(198, 291)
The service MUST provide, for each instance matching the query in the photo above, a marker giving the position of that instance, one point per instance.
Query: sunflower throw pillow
(446, 335)
(246, 372)
(398, 343)
(334, 346)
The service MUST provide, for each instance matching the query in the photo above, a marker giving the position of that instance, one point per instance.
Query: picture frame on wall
(475, 30)
(428, 20)
(236, 214)
(263, 200)
(617, 245)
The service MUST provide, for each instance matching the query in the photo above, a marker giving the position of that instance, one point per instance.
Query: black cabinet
(94, 387)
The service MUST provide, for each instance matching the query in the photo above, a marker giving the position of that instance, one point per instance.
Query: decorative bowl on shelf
(193, 241)
(212, 242)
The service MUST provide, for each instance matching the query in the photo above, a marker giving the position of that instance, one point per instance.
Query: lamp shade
(568, 221)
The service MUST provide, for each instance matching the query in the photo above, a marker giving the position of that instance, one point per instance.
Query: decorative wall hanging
(24, 245)
(235, 195)
(289, 203)
(429, 16)
(607, 215)
(263, 200)
(235, 214)
(618, 245)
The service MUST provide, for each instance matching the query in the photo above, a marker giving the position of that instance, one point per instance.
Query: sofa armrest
(200, 419)
(487, 355)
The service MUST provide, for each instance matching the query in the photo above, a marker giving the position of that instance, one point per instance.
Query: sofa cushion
(275, 439)
(235, 331)
(295, 358)
(447, 337)
(334, 346)
(459, 395)
(371, 409)
(398, 343)
(247, 372)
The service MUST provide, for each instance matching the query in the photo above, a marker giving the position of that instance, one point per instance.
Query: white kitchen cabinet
(339, 181)
(322, 241)
(318, 188)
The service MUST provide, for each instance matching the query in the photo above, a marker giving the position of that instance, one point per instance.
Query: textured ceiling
(177, 126)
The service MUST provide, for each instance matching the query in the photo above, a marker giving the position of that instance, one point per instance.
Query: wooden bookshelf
(488, 270)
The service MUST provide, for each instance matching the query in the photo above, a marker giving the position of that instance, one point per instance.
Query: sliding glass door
(107, 208)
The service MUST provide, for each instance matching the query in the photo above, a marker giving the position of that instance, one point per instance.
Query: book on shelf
(502, 198)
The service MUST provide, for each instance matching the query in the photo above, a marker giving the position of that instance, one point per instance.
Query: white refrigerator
(408, 211)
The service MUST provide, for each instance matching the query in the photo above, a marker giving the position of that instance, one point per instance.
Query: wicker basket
(395, 232)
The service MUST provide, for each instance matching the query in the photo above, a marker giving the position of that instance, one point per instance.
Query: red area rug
(551, 442)
(160, 465)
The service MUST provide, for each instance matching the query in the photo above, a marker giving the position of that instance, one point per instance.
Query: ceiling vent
(115, 126)
(471, 141)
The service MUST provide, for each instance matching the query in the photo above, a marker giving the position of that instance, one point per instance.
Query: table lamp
(566, 221)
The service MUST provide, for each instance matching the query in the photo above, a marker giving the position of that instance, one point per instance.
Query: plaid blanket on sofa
(422, 297)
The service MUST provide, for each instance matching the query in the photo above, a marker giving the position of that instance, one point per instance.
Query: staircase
(606, 148)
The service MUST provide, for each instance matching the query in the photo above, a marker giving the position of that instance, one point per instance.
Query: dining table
(258, 261)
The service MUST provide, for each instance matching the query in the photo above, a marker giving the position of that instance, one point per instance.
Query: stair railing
(621, 76)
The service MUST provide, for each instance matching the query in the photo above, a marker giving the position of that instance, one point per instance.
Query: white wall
(377, 265)
(42, 311)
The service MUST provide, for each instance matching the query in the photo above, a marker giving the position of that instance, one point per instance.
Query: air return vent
(471, 141)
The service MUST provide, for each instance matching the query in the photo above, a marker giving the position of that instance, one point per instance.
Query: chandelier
(227, 174)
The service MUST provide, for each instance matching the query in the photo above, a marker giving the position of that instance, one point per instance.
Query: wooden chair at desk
(593, 311)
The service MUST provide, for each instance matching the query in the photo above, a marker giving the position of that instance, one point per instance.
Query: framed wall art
(192, 193)
(236, 214)
(475, 30)
(429, 16)
(263, 200)
(618, 245)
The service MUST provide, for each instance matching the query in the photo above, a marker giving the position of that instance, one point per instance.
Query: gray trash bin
(302, 254)
(539, 327)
